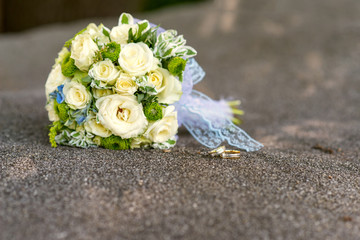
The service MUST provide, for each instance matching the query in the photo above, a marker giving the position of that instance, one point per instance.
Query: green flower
(111, 51)
(115, 143)
(153, 111)
(54, 130)
(62, 111)
(176, 66)
(68, 67)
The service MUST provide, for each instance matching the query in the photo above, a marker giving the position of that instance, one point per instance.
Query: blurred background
(18, 15)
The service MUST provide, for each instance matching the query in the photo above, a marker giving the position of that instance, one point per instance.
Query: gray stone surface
(295, 66)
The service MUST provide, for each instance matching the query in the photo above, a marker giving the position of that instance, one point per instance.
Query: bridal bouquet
(131, 87)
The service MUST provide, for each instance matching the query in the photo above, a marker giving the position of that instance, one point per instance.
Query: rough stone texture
(294, 64)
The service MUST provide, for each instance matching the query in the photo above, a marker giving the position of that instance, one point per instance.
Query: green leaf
(143, 25)
(106, 33)
(131, 36)
(171, 142)
(140, 97)
(167, 53)
(124, 18)
(150, 89)
(86, 80)
(191, 52)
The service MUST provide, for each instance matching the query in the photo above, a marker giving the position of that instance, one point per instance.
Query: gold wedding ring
(230, 154)
(223, 153)
(217, 151)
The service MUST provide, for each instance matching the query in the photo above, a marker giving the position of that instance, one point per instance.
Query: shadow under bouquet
(131, 87)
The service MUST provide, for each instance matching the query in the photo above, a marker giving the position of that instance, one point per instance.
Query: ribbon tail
(199, 128)
(237, 137)
(209, 122)
(194, 70)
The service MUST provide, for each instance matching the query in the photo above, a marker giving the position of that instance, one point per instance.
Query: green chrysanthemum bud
(62, 111)
(153, 111)
(68, 67)
(115, 143)
(176, 66)
(111, 51)
(55, 128)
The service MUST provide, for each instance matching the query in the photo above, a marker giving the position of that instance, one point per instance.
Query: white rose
(105, 71)
(55, 79)
(83, 50)
(156, 64)
(120, 34)
(136, 58)
(51, 111)
(96, 128)
(76, 95)
(170, 90)
(139, 142)
(165, 128)
(98, 93)
(156, 80)
(96, 33)
(122, 115)
(125, 84)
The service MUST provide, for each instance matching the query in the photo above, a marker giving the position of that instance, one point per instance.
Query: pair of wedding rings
(223, 153)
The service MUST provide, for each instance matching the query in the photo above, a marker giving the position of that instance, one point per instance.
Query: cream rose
(136, 58)
(76, 95)
(96, 33)
(122, 115)
(83, 50)
(156, 64)
(165, 128)
(105, 71)
(120, 34)
(51, 112)
(55, 79)
(92, 126)
(98, 93)
(125, 84)
(156, 80)
(170, 90)
(139, 142)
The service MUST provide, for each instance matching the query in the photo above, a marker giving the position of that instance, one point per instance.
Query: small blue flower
(59, 94)
(80, 115)
(80, 119)
(53, 94)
